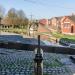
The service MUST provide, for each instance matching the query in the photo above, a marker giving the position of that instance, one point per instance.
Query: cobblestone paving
(13, 62)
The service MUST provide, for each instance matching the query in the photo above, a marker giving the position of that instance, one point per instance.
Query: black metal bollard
(38, 60)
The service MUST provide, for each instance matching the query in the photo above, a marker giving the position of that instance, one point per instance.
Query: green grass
(59, 35)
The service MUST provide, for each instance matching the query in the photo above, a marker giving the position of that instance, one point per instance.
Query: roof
(72, 18)
(43, 21)
(57, 18)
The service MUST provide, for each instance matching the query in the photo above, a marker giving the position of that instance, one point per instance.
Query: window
(66, 25)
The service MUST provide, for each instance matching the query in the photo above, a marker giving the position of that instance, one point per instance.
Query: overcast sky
(41, 8)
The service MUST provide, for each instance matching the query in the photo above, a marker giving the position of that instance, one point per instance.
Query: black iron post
(0, 24)
(38, 60)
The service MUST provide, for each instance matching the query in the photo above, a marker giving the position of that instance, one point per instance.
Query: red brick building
(45, 21)
(56, 23)
(63, 24)
(68, 24)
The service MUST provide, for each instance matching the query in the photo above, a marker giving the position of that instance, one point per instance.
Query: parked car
(64, 42)
(72, 46)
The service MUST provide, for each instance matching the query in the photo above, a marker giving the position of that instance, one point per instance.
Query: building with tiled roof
(68, 24)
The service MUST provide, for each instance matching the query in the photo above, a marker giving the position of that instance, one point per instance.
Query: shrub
(66, 41)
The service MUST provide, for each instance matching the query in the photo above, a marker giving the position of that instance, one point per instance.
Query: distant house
(56, 23)
(1, 25)
(43, 21)
(63, 24)
(5, 24)
(68, 24)
(43, 26)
